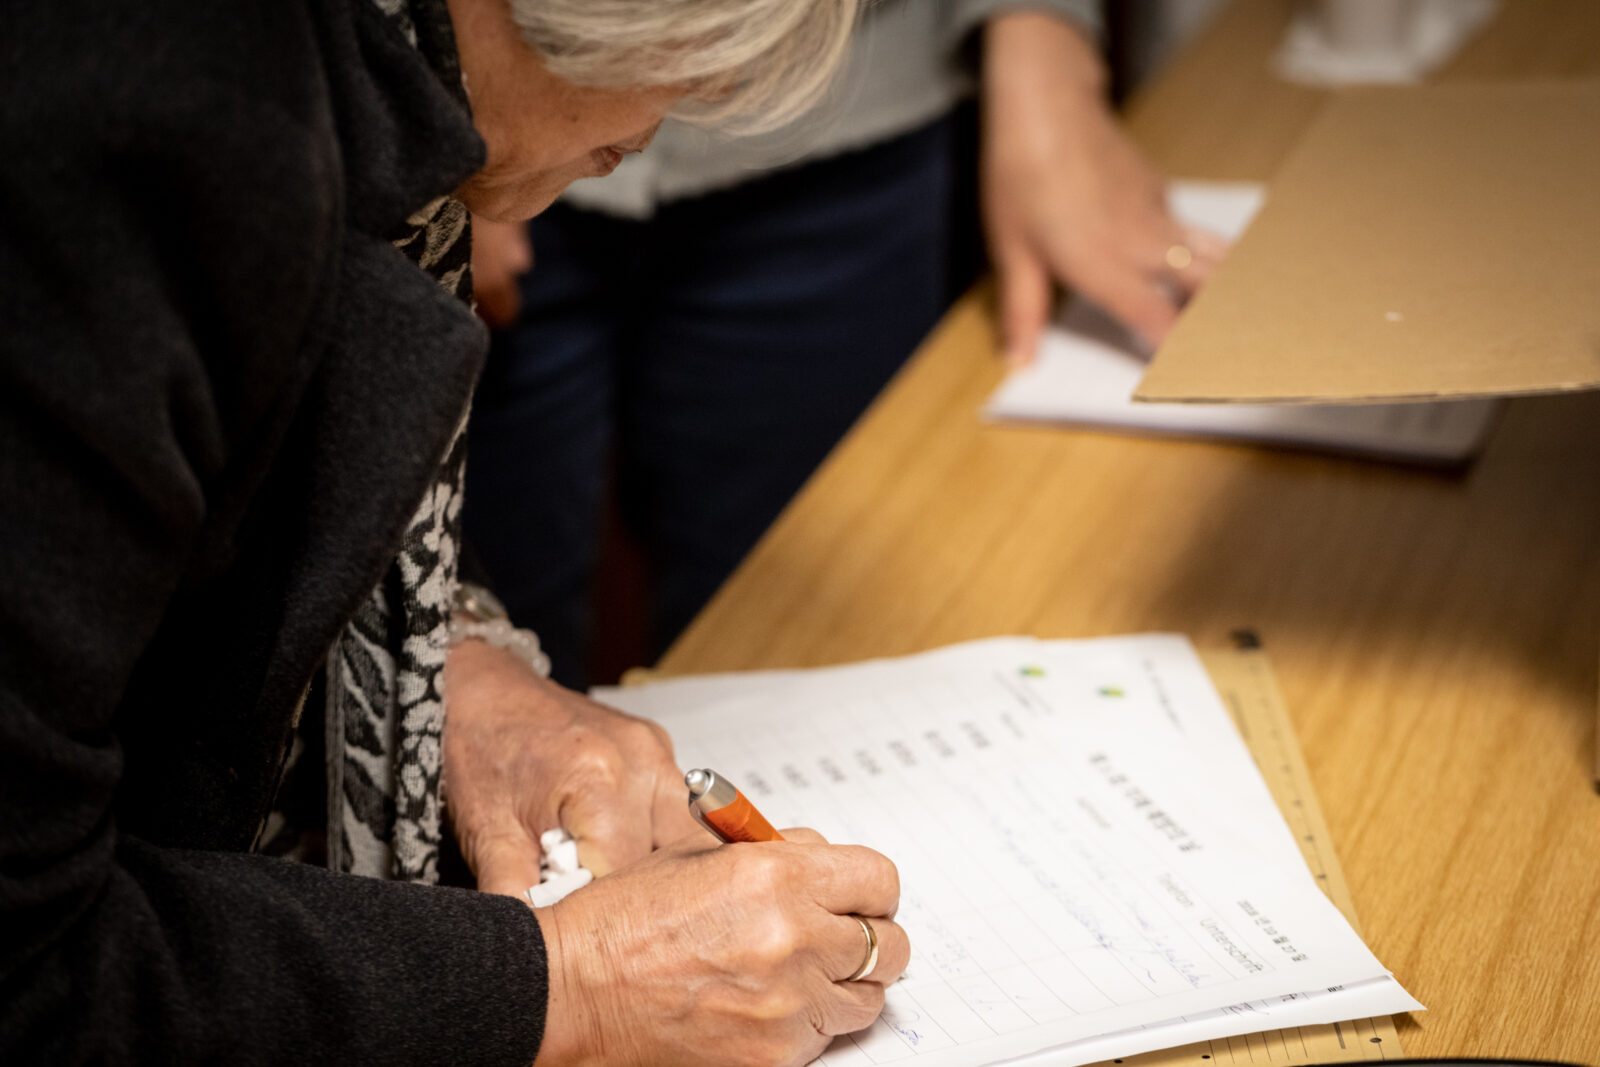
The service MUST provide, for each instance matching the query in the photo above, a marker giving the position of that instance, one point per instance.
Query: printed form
(1090, 863)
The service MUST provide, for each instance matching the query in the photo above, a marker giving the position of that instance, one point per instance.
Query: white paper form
(1051, 889)
(1089, 365)
(1359, 1001)
(1185, 701)
(1162, 686)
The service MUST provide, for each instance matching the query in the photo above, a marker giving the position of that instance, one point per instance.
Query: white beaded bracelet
(479, 616)
(501, 634)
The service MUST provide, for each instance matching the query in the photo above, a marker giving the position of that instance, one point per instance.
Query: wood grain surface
(1434, 634)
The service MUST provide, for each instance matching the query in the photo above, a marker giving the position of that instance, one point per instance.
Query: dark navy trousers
(708, 358)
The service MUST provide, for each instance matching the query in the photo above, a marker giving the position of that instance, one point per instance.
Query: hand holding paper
(1088, 366)
(1067, 198)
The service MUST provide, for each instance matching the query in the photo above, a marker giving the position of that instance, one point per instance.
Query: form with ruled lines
(1086, 864)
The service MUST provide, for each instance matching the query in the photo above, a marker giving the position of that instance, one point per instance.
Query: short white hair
(761, 63)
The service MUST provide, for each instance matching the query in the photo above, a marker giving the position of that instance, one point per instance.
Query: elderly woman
(237, 357)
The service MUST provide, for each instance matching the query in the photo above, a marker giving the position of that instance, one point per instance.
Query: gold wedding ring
(1179, 257)
(871, 959)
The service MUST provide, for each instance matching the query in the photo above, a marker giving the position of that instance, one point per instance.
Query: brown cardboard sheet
(1420, 242)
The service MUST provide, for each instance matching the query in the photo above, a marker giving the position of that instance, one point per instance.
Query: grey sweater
(907, 65)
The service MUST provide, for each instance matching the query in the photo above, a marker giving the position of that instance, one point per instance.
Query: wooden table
(1435, 635)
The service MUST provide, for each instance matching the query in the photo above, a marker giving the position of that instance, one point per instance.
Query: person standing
(702, 326)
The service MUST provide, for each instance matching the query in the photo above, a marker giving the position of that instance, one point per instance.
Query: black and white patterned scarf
(383, 683)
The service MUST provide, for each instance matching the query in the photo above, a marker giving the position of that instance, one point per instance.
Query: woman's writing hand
(711, 955)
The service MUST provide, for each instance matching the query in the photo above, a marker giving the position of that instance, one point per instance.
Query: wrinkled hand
(711, 955)
(1067, 197)
(501, 254)
(522, 755)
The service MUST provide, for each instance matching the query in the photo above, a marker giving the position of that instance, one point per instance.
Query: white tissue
(560, 872)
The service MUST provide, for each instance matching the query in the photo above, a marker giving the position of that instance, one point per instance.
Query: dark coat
(222, 393)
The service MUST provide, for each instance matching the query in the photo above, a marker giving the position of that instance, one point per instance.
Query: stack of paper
(1088, 367)
(1091, 865)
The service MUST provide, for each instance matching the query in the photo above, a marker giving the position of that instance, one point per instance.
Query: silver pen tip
(698, 781)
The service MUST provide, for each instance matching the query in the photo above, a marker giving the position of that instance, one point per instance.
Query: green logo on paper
(1111, 691)
(1032, 672)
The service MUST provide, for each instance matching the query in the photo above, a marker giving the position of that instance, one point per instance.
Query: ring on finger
(870, 960)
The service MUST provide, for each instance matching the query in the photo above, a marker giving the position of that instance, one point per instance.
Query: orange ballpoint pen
(718, 805)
